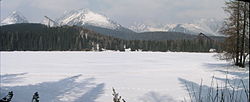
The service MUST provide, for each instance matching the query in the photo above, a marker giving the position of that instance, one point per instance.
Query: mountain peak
(14, 17)
(14, 12)
(87, 17)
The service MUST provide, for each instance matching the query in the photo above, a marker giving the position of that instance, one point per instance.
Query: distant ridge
(210, 27)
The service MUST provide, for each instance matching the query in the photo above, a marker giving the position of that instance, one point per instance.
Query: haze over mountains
(207, 26)
(102, 24)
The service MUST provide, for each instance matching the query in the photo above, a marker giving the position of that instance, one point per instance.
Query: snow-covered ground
(90, 76)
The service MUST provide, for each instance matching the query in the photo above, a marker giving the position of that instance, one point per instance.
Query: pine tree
(8, 97)
(35, 97)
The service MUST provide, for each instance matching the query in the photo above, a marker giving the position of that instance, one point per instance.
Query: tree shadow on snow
(156, 97)
(216, 91)
(239, 80)
(217, 65)
(64, 90)
(238, 77)
(92, 94)
(12, 78)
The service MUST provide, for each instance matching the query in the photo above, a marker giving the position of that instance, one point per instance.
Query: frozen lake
(90, 76)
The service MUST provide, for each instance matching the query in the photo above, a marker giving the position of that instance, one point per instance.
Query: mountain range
(210, 27)
(104, 25)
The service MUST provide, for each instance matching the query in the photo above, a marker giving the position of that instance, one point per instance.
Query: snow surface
(90, 76)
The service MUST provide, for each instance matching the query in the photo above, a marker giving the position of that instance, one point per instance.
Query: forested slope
(37, 37)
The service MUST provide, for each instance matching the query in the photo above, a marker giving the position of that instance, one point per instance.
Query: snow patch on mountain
(206, 26)
(210, 25)
(87, 17)
(15, 17)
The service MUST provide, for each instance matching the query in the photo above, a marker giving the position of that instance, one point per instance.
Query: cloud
(164, 11)
(125, 12)
(58, 5)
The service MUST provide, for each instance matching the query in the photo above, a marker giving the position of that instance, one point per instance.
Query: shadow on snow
(64, 90)
(156, 97)
(12, 78)
(239, 77)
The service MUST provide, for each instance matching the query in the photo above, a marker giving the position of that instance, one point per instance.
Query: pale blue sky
(125, 12)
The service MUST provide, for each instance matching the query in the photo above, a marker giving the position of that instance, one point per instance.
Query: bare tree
(237, 45)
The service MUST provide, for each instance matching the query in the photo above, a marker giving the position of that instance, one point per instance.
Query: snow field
(90, 76)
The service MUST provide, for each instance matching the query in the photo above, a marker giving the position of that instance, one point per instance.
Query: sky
(124, 12)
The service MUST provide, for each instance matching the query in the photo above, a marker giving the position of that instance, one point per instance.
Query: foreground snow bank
(90, 76)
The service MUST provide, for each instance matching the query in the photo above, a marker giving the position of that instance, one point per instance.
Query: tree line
(36, 37)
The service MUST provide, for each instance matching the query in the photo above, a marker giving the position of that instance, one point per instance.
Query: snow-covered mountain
(206, 26)
(210, 25)
(15, 17)
(87, 17)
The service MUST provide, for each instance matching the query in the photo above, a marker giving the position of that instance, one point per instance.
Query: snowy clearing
(90, 76)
